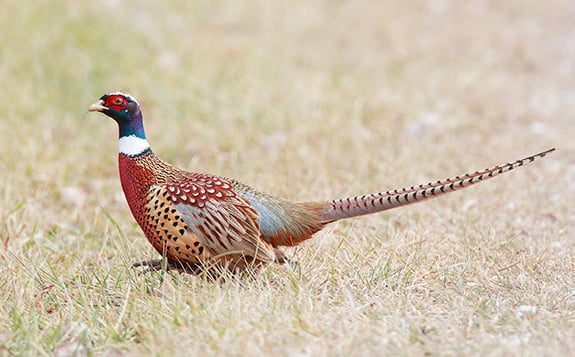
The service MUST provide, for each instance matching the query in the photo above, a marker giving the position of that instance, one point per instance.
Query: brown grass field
(309, 101)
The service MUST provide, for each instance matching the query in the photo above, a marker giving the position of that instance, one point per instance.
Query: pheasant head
(125, 110)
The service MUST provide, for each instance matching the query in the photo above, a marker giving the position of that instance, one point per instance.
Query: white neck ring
(132, 145)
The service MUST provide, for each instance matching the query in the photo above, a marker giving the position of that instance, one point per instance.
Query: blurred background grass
(307, 100)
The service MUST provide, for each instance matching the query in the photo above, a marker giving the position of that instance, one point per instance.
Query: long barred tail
(377, 202)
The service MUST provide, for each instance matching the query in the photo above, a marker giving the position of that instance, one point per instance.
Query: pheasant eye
(118, 101)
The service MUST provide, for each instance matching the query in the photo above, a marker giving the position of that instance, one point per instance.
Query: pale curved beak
(97, 107)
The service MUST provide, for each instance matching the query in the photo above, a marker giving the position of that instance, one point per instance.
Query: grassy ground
(307, 100)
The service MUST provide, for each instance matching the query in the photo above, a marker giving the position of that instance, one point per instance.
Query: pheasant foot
(167, 265)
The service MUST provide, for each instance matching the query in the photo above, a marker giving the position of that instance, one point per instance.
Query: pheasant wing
(223, 221)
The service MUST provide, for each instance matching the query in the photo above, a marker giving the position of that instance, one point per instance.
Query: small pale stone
(524, 310)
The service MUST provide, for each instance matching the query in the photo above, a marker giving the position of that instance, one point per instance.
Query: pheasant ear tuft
(132, 108)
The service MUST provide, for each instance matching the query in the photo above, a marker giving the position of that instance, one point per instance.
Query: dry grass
(307, 100)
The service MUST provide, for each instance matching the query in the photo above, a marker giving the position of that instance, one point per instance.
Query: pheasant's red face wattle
(116, 102)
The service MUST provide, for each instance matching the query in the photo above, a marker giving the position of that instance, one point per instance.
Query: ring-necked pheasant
(199, 220)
